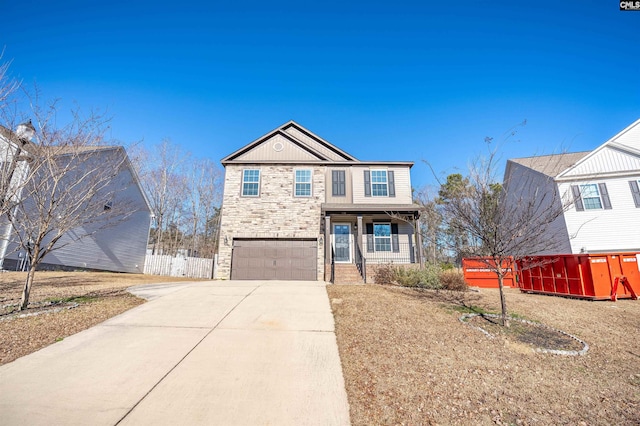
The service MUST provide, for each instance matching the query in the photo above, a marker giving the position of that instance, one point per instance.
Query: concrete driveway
(202, 353)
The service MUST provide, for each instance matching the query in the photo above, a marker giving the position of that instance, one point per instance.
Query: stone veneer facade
(275, 213)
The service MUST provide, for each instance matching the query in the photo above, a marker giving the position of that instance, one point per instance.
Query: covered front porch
(361, 237)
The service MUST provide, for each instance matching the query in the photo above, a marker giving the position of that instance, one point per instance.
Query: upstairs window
(591, 197)
(379, 185)
(250, 183)
(303, 183)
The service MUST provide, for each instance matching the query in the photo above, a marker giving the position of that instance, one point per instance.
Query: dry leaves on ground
(407, 359)
(98, 295)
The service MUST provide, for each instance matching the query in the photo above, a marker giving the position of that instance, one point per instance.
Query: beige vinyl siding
(270, 150)
(601, 230)
(314, 144)
(402, 185)
(348, 197)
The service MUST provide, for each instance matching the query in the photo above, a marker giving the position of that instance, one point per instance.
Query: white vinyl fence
(179, 266)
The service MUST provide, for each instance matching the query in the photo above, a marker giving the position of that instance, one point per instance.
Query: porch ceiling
(371, 208)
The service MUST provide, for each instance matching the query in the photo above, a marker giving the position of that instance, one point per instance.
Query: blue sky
(408, 81)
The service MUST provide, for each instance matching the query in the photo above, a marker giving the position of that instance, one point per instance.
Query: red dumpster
(478, 272)
(591, 276)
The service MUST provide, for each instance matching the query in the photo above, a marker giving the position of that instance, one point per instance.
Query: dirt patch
(92, 298)
(407, 359)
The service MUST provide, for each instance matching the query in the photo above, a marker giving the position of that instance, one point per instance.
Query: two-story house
(602, 186)
(296, 207)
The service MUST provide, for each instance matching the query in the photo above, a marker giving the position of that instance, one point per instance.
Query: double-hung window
(591, 197)
(250, 183)
(302, 183)
(382, 236)
(379, 183)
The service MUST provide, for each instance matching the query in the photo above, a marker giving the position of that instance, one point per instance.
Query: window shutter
(395, 245)
(605, 196)
(370, 245)
(338, 183)
(577, 199)
(635, 191)
(367, 183)
(335, 186)
(392, 184)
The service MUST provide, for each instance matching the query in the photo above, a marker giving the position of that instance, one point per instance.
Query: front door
(342, 242)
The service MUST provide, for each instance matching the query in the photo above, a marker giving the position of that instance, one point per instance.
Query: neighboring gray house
(118, 248)
(12, 174)
(296, 207)
(604, 187)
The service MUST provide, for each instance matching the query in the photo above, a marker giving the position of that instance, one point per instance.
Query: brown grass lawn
(100, 296)
(407, 359)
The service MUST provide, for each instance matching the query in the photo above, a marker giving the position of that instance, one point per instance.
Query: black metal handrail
(361, 263)
(390, 253)
(333, 268)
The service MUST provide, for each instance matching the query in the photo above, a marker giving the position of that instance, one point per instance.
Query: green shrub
(452, 279)
(427, 277)
(431, 276)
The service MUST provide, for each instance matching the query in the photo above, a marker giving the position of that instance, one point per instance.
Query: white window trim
(376, 237)
(584, 199)
(295, 183)
(243, 183)
(386, 183)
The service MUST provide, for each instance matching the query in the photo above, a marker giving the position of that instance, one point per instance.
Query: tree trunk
(503, 301)
(24, 301)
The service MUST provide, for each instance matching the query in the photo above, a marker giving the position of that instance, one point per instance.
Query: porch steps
(347, 273)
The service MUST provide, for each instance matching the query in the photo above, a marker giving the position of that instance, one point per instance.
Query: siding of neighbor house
(611, 167)
(120, 248)
(602, 230)
(522, 184)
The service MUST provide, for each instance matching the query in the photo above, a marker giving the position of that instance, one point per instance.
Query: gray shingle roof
(551, 165)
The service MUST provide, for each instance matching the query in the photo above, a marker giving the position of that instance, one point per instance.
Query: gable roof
(618, 155)
(551, 165)
(301, 144)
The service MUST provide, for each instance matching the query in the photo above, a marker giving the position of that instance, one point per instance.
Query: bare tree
(431, 227)
(162, 178)
(8, 85)
(207, 190)
(509, 221)
(72, 190)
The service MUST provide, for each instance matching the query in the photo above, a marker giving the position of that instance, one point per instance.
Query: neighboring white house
(604, 185)
(118, 248)
(13, 172)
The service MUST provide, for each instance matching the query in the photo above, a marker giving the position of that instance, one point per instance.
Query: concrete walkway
(202, 353)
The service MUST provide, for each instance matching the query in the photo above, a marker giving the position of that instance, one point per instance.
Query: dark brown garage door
(274, 260)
